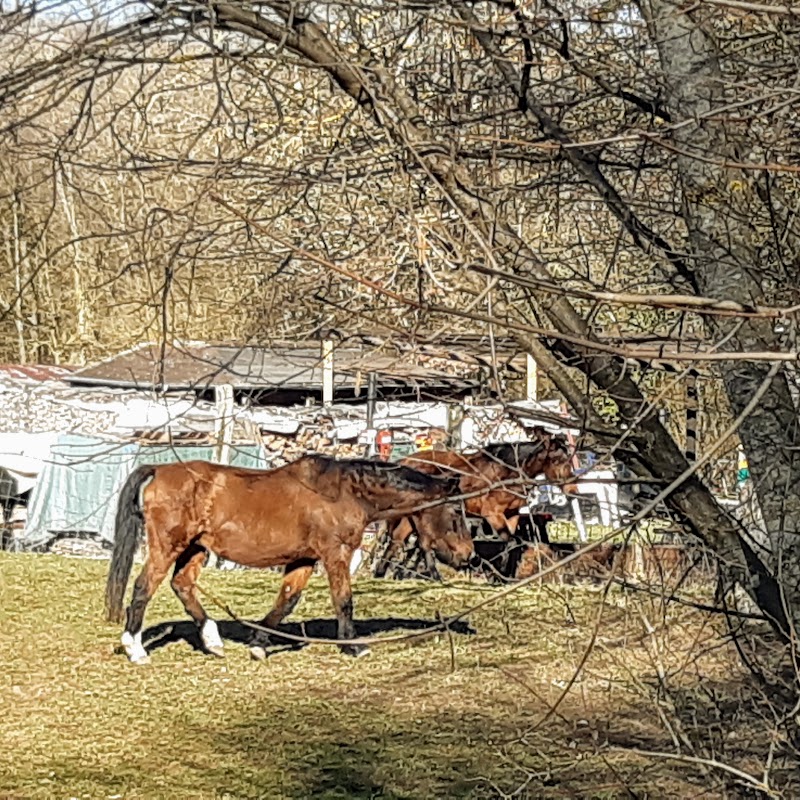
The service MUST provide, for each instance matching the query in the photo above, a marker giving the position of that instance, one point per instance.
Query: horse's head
(448, 535)
(558, 465)
(548, 453)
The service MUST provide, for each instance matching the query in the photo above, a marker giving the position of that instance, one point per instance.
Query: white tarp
(391, 415)
(23, 456)
(272, 421)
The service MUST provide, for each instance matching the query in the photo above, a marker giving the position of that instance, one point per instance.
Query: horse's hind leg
(295, 579)
(184, 584)
(338, 569)
(149, 579)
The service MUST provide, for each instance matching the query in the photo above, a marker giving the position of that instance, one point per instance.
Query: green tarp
(78, 489)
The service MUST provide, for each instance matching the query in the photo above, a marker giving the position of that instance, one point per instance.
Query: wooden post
(371, 433)
(455, 419)
(372, 396)
(532, 389)
(223, 423)
(327, 372)
(692, 406)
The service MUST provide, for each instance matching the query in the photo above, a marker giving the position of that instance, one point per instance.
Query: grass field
(409, 721)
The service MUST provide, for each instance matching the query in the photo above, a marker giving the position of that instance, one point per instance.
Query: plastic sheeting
(79, 486)
(22, 457)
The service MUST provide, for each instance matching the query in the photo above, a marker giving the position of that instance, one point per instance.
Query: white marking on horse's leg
(257, 652)
(134, 647)
(210, 635)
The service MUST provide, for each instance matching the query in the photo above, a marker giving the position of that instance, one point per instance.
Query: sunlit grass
(410, 721)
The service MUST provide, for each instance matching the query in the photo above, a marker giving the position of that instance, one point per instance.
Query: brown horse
(437, 529)
(314, 509)
(496, 476)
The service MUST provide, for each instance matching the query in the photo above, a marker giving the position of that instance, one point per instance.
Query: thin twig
(699, 761)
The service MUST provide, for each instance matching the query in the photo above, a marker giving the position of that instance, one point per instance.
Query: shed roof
(283, 365)
(33, 372)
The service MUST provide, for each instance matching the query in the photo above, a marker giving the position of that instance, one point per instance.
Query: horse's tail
(128, 529)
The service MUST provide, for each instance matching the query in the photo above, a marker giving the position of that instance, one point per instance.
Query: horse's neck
(493, 469)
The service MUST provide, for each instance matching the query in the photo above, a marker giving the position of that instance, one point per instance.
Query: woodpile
(43, 407)
(309, 439)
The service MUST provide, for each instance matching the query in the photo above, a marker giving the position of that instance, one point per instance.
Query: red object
(384, 441)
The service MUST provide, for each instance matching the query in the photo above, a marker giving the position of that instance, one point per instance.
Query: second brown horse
(495, 481)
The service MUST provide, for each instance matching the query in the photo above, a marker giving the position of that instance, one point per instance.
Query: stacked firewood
(308, 440)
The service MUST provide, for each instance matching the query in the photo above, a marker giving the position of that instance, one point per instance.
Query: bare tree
(587, 180)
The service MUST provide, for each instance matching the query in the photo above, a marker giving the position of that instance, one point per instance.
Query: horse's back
(436, 462)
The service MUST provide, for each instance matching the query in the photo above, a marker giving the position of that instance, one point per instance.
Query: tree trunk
(16, 254)
(726, 266)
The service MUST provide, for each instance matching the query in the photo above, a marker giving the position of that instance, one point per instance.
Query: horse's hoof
(356, 650)
(216, 651)
(134, 649)
(258, 653)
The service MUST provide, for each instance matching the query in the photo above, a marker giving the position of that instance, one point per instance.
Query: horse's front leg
(295, 579)
(541, 527)
(505, 530)
(430, 564)
(338, 568)
(396, 537)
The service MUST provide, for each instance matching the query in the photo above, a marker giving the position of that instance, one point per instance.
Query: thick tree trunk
(717, 267)
(726, 266)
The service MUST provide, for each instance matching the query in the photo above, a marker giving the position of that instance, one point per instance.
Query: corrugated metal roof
(33, 372)
(283, 365)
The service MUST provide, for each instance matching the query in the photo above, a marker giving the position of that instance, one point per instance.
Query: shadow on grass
(166, 633)
(354, 751)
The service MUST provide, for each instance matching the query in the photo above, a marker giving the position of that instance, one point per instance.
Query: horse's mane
(394, 476)
(515, 453)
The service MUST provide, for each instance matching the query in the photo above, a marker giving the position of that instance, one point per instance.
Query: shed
(284, 373)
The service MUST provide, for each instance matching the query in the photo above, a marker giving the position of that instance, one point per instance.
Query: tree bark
(725, 265)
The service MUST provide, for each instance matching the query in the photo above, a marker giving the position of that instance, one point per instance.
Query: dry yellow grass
(79, 721)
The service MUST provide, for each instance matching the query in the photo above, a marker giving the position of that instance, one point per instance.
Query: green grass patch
(410, 721)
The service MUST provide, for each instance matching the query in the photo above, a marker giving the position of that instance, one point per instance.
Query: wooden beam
(327, 372)
(532, 387)
(223, 422)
